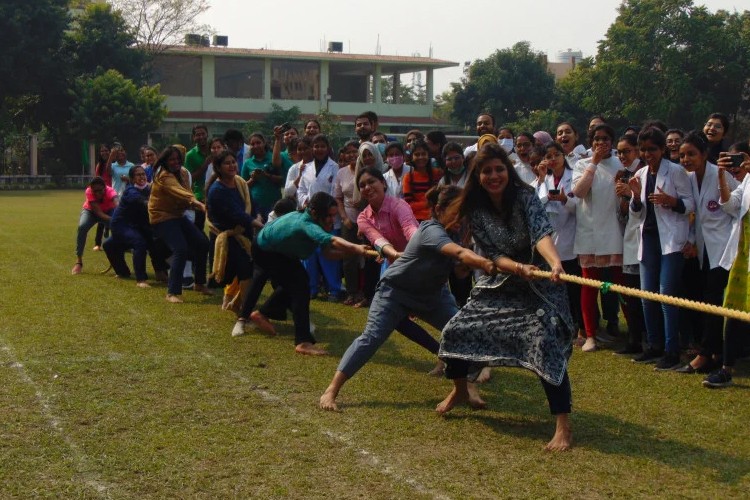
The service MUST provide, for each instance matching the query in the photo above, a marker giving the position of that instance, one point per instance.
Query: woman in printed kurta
(510, 320)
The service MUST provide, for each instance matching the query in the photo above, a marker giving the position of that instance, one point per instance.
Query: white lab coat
(737, 206)
(562, 216)
(712, 224)
(598, 231)
(310, 184)
(673, 227)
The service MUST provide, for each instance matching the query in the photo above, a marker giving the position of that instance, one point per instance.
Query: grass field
(107, 391)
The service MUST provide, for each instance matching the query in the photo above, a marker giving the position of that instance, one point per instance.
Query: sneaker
(629, 350)
(188, 283)
(589, 345)
(648, 356)
(239, 328)
(718, 379)
(668, 362)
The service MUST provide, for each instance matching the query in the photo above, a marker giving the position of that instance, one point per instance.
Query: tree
(666, 59)
(443, 108)
(407, 94)
(277, 116)
(159, 23)
(110, 106)
(102, 40)
(509, 82)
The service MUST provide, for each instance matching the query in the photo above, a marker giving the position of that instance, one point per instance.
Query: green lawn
(108, 391)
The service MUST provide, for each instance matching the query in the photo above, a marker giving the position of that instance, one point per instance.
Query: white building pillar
(33, 154)
(377, 94)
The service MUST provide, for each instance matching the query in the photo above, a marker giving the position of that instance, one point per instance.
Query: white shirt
(562, 216)
(737, 206)
(395, 184)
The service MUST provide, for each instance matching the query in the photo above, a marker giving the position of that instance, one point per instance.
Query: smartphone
(737, 159)
(285, 126)
(554, 191)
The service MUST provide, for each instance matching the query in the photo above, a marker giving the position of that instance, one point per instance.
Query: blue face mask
(381, 148)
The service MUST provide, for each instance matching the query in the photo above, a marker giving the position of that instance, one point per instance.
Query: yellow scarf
(221, 247)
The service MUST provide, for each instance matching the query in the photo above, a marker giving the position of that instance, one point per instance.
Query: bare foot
(457, 396)
(174, 299)
(475, 400)
(309, 349)
(328, 401)
(262, 323)
(203, 289)
(484, 376)
(77, 268)
(439, 369)
(225, 301)
(97, 248)
(563, 438)
(142, 284)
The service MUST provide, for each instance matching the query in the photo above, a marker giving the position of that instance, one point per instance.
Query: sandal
(363, 303)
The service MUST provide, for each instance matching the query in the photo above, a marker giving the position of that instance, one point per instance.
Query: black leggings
(559, 397)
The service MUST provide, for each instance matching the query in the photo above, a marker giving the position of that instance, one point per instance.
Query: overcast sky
(456, 30)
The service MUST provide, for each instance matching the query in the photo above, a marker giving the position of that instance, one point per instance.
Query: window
(178, 75)
(239, 78)
(298, 80)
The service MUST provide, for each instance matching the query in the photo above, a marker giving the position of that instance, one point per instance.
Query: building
(225, 87)
(565, 63)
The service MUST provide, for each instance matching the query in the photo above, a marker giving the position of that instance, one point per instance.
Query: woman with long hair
(421, 178)
(510, 319)
(170, 197)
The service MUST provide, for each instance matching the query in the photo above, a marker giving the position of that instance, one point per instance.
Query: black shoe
(688, 369)
(648, 356)
(667, 362)
(629, 349)
(718, 379)
(613, 329)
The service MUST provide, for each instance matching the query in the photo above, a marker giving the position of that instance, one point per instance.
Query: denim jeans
(125, 237)
(661, 274)
(87, 220)
(184, 239)
(316, 264)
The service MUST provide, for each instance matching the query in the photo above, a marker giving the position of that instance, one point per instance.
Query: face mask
(507, 145)
(381, 148)
(457, 171)
(395, 161)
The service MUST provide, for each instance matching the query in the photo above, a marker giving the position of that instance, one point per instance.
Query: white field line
(83, 462)
(368, 458)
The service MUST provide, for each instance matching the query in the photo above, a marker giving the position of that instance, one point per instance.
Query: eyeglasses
(717, 126)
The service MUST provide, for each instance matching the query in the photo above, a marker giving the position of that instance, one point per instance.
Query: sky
(456, 31)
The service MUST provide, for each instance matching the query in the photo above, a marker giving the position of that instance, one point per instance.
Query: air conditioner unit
(221, 40)
(335, 46)
(192, 39)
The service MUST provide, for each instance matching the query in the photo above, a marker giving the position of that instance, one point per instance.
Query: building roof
(403, 63)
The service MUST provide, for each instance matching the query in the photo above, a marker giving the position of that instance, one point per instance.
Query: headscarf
(373, 149)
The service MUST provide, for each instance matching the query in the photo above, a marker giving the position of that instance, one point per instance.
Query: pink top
(394, 223)
(106, 204)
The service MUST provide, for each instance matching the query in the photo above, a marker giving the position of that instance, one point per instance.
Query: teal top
(295, 234)
(263, 192)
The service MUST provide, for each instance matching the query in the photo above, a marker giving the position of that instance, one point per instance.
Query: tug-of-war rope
(606, 287)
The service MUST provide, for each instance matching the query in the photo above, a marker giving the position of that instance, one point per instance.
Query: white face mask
(507, 145)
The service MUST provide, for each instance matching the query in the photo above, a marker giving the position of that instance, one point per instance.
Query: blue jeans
(386, 312)
(125, 237)
(661, 274)
(316, 264)
(185, 240)
(87, 220)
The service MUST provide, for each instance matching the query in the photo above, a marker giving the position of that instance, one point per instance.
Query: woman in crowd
(231, 223)
(276, 253)
(216, 145)
(523, 146)
(262, 177)
(712, 229)
(318, 177)
(716, 129)
(554, 187)
(737, 256)
(436, 141)
(542, 138)
(100, 203)
(312, 128)
(131, 230)
(421, 178)
(394, 176)
(303, 147)
(674, 140)
(627, 152)
(349, 208)
(510, 320)
(413, 284)
(598, 237)
(662, 199)
(567, 136)
(103, 170)
(170, 197)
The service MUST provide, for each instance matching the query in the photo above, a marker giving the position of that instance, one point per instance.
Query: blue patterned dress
(509, 321)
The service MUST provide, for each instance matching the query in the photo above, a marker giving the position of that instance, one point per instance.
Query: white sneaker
(589, 345)
(239, 328)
